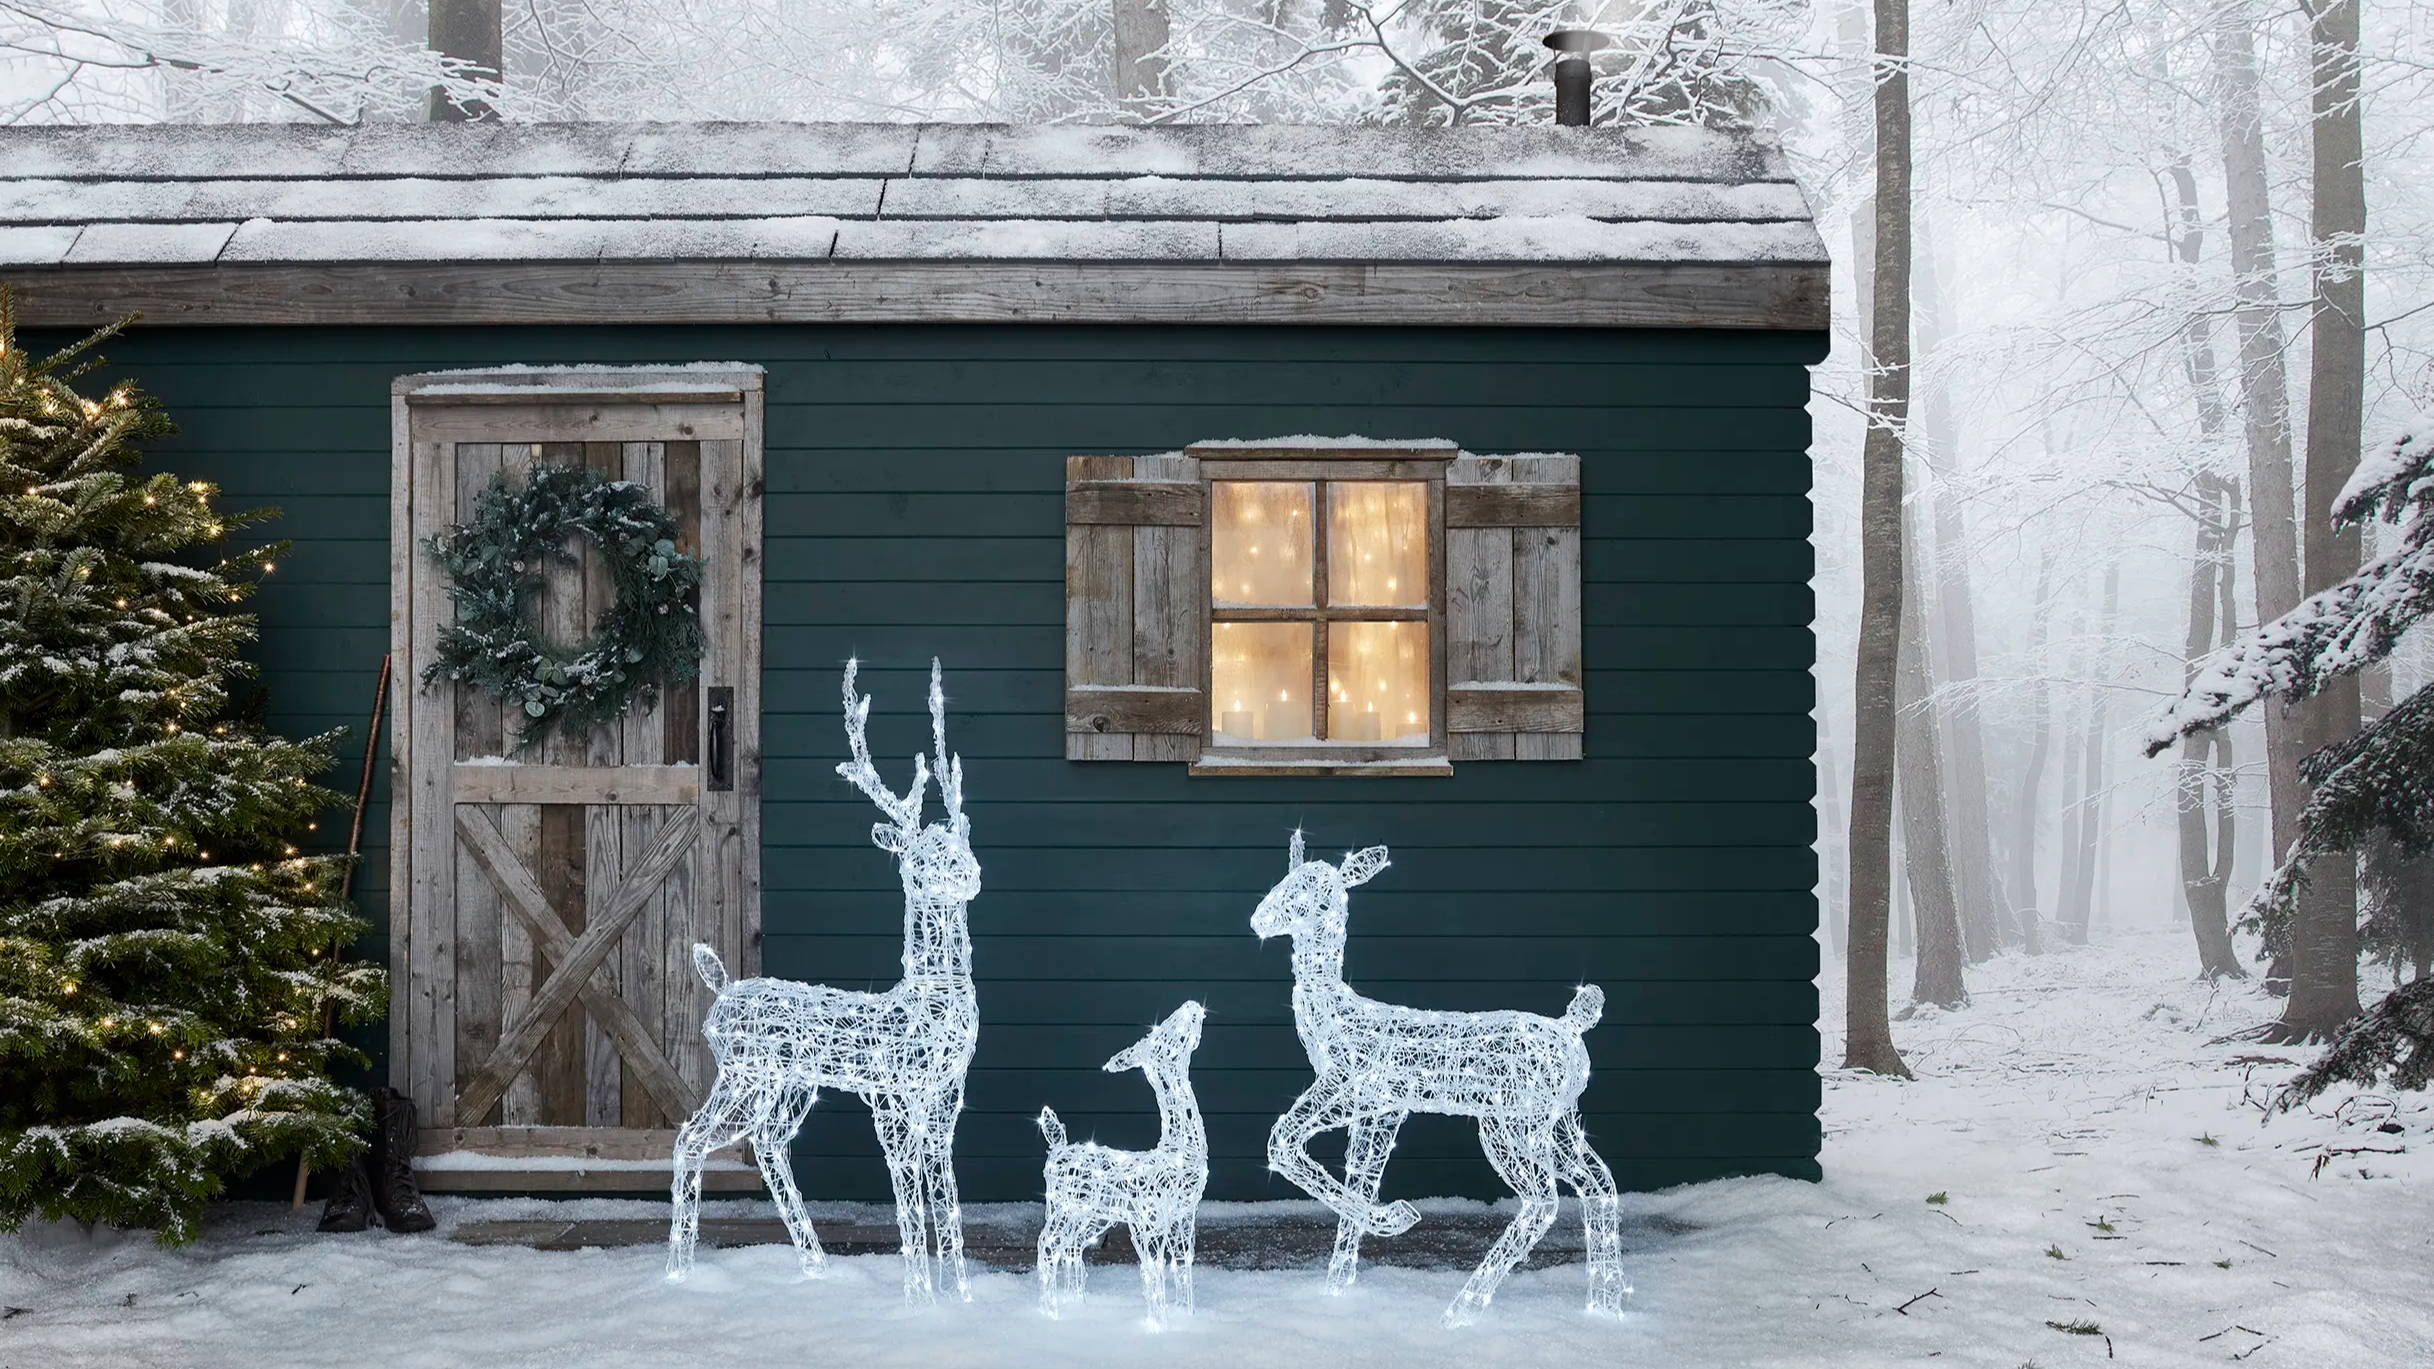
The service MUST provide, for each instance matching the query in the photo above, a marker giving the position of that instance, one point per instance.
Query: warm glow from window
(1377, 680)
(1259, 682)
(1377, 543)
(1260, 540)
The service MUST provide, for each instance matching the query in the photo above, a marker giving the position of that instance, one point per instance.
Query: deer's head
(935, 860)
(1168, 1044)
(1312, 896)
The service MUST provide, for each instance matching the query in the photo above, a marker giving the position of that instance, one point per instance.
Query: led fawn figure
(1519, 1073)
(1156, 1193)
(905, 1051)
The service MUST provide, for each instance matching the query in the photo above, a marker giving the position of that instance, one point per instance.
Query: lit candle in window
(1284, 721)
(1235, 723)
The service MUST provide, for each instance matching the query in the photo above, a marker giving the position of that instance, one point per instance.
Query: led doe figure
(905, 1051)
(1519, 1073)
(1156, 1192)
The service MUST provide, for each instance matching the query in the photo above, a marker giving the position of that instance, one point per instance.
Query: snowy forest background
(2131, 317)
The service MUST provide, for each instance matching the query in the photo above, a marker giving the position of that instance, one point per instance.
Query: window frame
(1413, 463)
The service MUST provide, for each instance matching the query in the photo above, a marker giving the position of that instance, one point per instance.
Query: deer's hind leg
(1523, 1154)
(1601, 1215)
(772, 1142)
(723, 1118)
(1371, 1138)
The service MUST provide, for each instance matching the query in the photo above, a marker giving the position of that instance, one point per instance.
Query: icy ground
(2107, 1194)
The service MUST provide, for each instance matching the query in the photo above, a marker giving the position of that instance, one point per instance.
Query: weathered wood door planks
(544, 1002)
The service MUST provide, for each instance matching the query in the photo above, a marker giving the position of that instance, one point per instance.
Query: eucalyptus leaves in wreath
(648, 636)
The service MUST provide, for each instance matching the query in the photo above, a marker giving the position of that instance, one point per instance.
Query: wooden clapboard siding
(916, 492)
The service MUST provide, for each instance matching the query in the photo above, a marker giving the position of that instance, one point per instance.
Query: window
(1325, 630)
(1322, 607)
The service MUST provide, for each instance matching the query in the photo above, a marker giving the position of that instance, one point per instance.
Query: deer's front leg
(1364, 1168)
(900, 1142)
(771, 1143)
(1322, 1109)
(938, 1165)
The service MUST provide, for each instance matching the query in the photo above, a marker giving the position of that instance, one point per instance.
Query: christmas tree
(171, 960)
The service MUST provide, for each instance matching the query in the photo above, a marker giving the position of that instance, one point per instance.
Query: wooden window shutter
(1512, 606)
(1136, 608)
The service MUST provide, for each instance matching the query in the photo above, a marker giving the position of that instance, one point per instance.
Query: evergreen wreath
(649, 635)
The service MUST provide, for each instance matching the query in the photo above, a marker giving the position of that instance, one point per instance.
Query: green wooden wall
(915, 507)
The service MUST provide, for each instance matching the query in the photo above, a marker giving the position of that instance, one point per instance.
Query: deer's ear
(1361, 866)
(887, 836)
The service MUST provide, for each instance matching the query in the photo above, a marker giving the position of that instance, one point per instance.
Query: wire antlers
(905, 812)
(950, 768)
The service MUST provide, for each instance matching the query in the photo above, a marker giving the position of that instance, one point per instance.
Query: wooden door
(545, 901)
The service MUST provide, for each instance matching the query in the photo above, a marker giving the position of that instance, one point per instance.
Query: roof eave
(1777, 295)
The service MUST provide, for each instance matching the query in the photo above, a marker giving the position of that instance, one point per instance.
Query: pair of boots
(384, 1187)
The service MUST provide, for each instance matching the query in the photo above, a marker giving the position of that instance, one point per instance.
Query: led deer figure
(1154, 1192)
(905, 1051)
(1519, 1073)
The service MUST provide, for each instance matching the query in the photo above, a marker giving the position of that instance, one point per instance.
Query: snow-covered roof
(176, 199)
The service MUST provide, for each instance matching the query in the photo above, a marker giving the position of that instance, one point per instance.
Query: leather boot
(399, 1202)
(350, 1204)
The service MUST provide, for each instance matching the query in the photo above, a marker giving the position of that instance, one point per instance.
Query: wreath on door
(649, 635)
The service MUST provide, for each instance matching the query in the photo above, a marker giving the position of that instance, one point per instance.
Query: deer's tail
(1588, 1005)
(706, 964)
(1051, 1128)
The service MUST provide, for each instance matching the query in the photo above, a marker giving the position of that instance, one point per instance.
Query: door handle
(722, 738)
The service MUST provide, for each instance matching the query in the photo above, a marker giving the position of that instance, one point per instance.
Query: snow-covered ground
(2077, 1176)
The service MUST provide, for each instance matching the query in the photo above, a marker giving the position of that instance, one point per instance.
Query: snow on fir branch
(2336, 631)
(172, 957)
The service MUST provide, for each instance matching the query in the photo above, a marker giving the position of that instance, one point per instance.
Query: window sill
(1268, 768)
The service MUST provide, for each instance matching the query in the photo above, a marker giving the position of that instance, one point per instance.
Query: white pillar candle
(1286, 721)
(1236, 723)
(1354, 727)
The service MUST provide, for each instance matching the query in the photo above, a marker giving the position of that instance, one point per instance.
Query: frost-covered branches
(1023, 61)
(2339, 630)
(117, 59)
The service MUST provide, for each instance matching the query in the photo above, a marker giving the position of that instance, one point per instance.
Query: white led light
(1155, 1193)
(1519, 1073)
(905, 1051)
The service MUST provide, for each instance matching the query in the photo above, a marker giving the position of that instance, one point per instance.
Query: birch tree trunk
(2264, 387)
(2032, 774)
(468, 30)
(1868, 1029)
(2081, 896)
(2324, 927)
(2207, 848)
(1141, 33)
(2073, 807)
(1832, 868)
(1954, 654)
(1927, 858)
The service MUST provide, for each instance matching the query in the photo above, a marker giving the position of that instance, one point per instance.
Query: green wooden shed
(1440, 489)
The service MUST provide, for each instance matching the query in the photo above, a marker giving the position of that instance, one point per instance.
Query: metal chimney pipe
(1572, 73)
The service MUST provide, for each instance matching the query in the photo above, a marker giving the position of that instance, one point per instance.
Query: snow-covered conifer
(169, 954)
(2379, 780)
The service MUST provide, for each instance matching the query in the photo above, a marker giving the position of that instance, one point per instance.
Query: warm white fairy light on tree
(1519, 1073)
(169, 957)
(1154, 1193)
(904, 1051)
